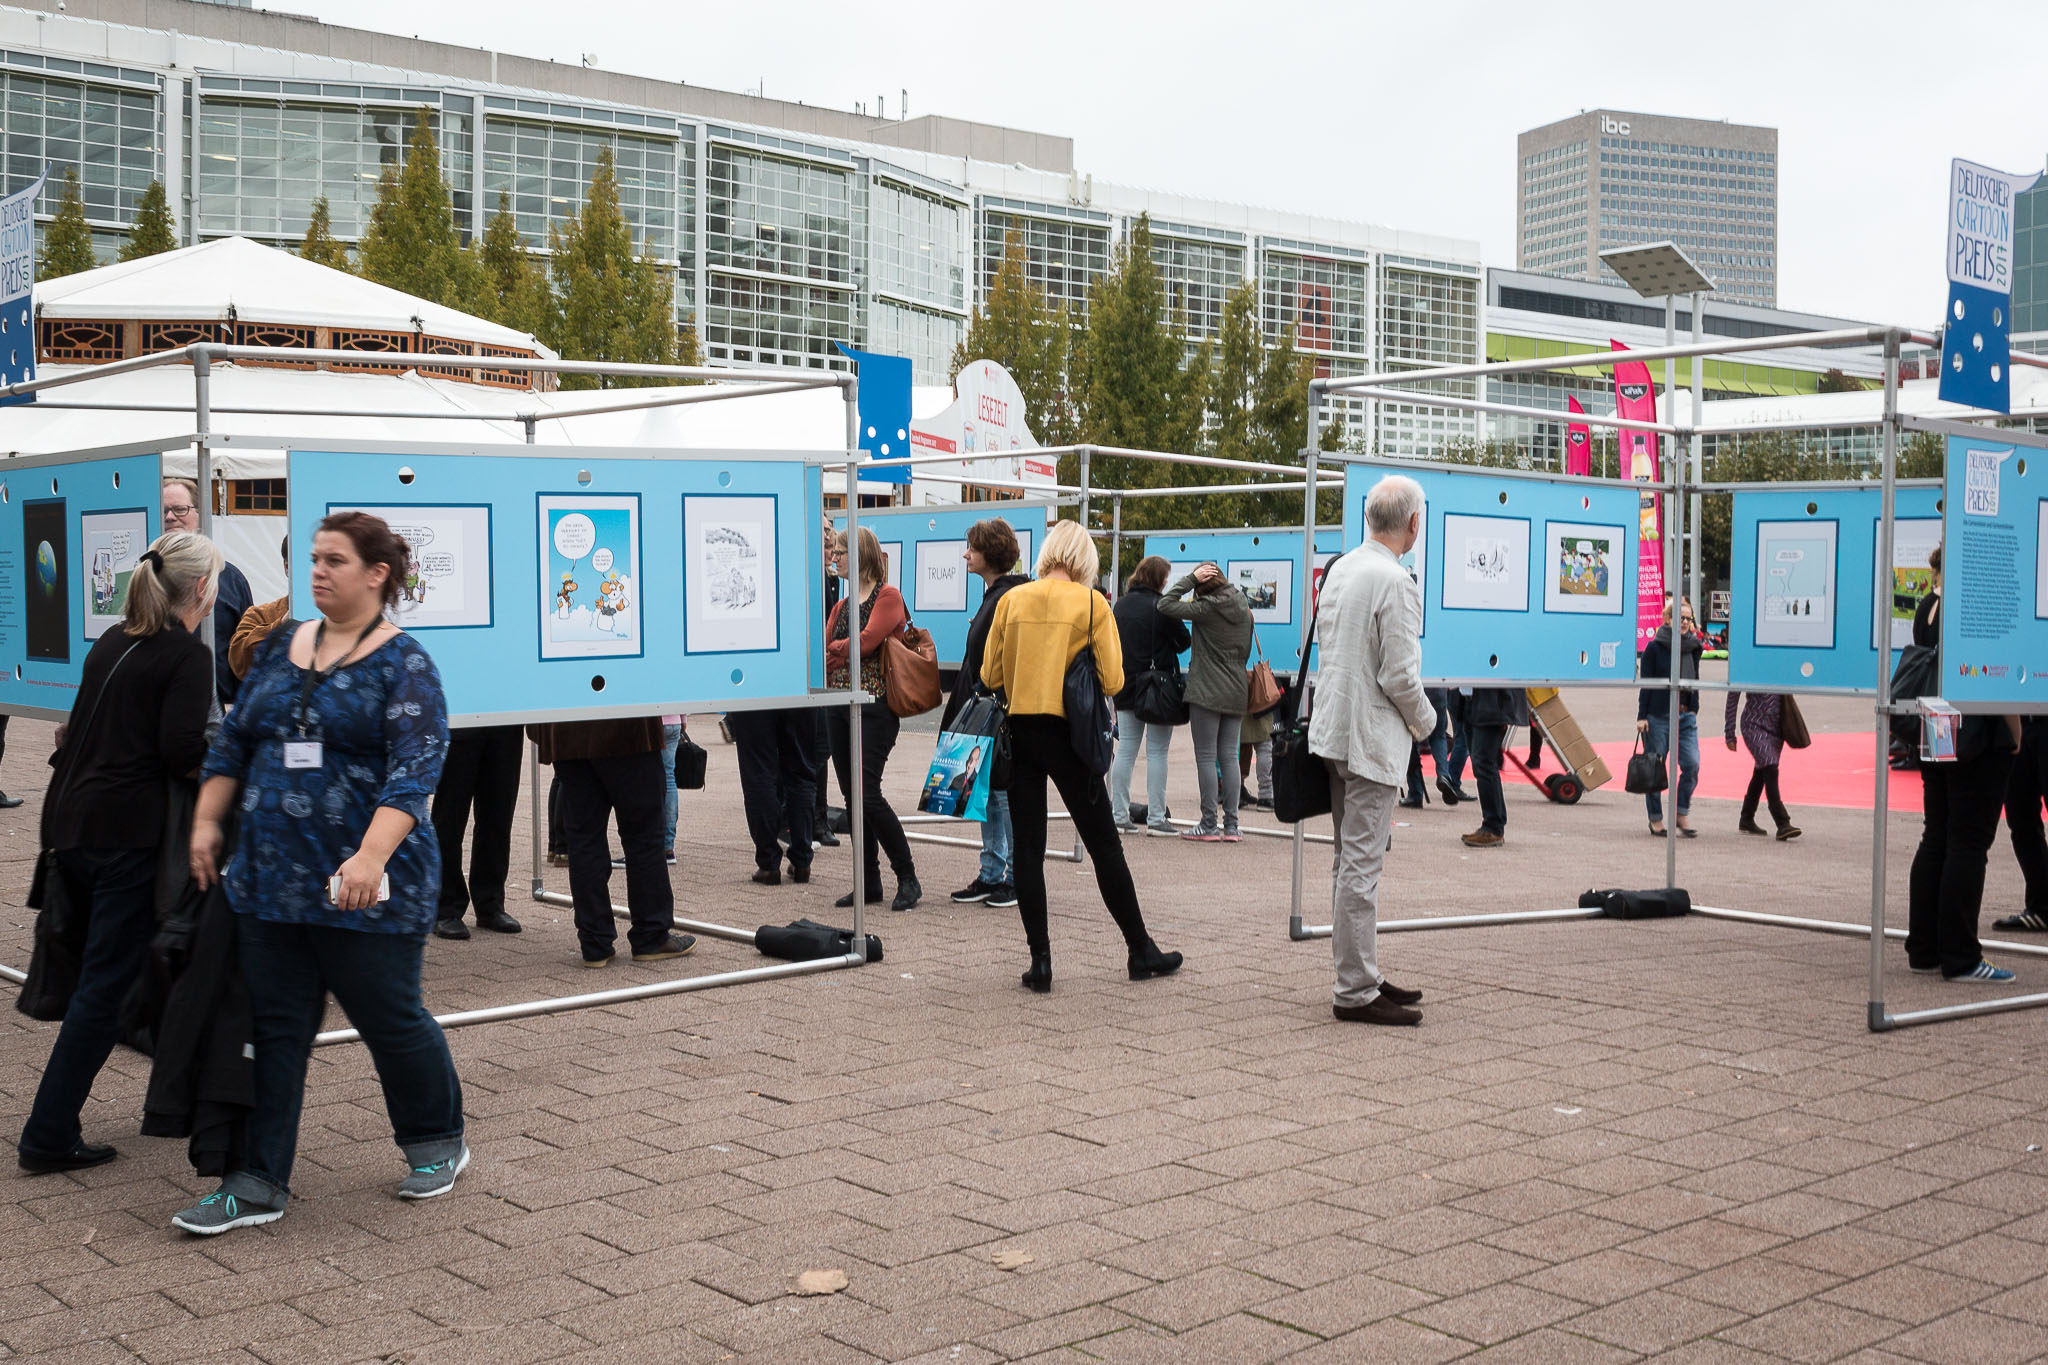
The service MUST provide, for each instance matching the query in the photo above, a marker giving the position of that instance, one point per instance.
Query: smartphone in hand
(334, 888)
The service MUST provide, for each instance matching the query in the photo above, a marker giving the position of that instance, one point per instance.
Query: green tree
(320, 245)
(153, 233)
(516, 283)
(608, 303)
(1018, 328)
(412, 244)
(1137, 392)
(67, 241)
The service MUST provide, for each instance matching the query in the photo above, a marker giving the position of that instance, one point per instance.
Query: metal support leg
(1298, 868)
(1881, 610)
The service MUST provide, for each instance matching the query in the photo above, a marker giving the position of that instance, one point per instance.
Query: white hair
(1393, 501)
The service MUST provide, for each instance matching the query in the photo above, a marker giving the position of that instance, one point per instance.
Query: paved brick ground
(1608, 1141)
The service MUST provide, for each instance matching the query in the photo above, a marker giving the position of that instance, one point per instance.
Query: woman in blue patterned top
(335, 746)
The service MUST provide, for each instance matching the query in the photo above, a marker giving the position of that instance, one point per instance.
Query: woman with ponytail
(139, 718)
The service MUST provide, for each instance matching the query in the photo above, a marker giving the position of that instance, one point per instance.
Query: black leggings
(1763, 785)
(1041, 752)
(878, 728)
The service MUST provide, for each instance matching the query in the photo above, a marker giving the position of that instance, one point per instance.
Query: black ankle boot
(1039, 978)
(1148, 961)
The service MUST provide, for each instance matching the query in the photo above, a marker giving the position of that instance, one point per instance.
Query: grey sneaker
(222, 1212)
(1162, 831)
(427, 1181)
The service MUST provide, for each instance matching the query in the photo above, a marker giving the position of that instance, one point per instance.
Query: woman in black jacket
(139, 720)
(1653, 712)
(1151, 642)
(1961, 802)
(991, 555)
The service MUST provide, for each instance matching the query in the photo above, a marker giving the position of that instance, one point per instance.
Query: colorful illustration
(590, 561)
(1587, 564)
(1582, 568)
(1268, 587)
(47, 607)
(448, 581)
(111, 545)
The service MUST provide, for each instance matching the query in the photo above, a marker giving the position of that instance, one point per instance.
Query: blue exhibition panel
(1541, 578)
(1994, 620)
(1804, 586)
(72, 529)
(925, 547)
(1266, 564)
(557, 585)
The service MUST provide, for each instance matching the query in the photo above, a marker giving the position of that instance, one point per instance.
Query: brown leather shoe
(1380, 1011)
(1400, 995)
(1484, 838)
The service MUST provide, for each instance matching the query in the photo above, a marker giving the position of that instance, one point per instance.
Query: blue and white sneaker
(1984, 972)
(222, 1212)
(427, 1181)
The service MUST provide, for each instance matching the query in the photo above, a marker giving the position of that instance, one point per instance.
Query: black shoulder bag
(1301, 780)
(1091, 716)
(59, 951)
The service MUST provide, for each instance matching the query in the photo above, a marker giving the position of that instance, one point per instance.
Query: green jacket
(1223, 643)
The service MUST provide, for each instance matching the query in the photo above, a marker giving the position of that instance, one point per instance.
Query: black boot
(1148, 961)
(1039, 978)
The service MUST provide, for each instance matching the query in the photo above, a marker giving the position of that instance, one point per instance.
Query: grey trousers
(1364, 812)
(1215, 736)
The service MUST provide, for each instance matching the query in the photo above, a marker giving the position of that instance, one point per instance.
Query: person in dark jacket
(232, 595)
(2023, 794)
(991, 554)
(607, 767)
(1960, 801)
(1653, 713)
(1217, 691)
(144, 691)
(1484, 719)
(1152, 642)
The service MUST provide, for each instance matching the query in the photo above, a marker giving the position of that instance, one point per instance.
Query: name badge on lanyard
(301, 754)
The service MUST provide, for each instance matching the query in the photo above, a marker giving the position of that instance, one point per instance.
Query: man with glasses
(181, 513)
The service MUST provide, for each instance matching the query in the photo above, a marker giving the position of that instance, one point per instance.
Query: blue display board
(71, 531)
(1804, 584)
(1267, 564)
(925, 546)
(1994, 620)
(1524, 580)
(562, 584)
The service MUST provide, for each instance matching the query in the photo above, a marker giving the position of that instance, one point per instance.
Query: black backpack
(1917, 675)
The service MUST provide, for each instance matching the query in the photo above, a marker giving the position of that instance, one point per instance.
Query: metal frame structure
(736, 384)
(1675, 488)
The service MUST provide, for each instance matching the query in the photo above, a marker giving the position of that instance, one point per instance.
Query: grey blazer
(1368, 705)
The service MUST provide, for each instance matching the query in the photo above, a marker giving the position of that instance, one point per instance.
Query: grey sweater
(1223, 643)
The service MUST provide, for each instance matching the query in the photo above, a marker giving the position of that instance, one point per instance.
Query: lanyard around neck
(316, 675)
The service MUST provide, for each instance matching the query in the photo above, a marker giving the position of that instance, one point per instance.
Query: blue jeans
(119, 885)
(289, 969)
(1486, 741)
(1447, 742)
(997, 842)
(1659, 740)
(671, 740)
(1157, 739)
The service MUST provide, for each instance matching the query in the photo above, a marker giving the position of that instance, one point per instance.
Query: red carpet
(1835, 770)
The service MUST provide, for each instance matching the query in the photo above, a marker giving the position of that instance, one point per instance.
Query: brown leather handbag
(1792, 725)
(910, 672)
(1262, 690)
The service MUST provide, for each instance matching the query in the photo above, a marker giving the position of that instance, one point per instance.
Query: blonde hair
(874, 565)
(176, 572)
(1068, 546)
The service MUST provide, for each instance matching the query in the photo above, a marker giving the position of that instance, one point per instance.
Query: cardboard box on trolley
(1565, 736)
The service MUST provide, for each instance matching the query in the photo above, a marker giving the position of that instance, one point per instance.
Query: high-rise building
(789, 227)
(1604, 179)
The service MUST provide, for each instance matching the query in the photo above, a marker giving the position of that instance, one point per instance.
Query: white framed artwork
(1795, 583)
(1583, 565)
(1485, 563)
(941, 583)
(730, 589)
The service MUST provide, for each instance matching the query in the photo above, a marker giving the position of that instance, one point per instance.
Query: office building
(790, 227)
(1604, 179)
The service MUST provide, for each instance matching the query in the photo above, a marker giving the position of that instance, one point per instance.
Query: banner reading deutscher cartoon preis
(1635, 400)
(1976, 347)
(17, 284)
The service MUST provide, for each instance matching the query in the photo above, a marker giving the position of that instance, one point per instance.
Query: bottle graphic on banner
(1635, 399)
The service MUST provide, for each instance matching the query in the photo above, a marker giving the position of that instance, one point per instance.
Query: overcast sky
(1398, 114)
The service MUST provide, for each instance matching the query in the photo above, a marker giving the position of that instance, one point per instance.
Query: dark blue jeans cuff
(252, 1188)
(431, 1151)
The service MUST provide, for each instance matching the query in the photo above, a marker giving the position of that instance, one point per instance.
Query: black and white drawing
(729, 574)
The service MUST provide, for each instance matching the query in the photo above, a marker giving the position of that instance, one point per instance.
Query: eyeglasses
(187, 510)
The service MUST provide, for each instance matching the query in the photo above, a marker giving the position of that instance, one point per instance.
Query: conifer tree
(516, 282)
(153, 233)
(67, 241)
(608, 302)
(412, 243)
(320, 245)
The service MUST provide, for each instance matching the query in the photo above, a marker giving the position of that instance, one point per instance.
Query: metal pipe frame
(1480, 405)
(1938, 426)
(1404, 465)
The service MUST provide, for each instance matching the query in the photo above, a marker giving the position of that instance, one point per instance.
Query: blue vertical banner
(1976, 344)
(884, 401)
(17, 285)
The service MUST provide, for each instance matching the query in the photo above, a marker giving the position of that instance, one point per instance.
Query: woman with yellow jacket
(1039, 629)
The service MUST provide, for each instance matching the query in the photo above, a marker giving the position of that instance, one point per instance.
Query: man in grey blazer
(1368, 707)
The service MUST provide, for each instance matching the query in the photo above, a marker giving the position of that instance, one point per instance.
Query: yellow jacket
(1038, 629)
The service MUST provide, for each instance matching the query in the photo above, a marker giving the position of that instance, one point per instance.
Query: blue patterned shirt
(383, 726)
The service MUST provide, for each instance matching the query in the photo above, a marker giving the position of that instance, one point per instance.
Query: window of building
(768, 322)
(1322, 299)
(1197, 277)
(778, 216)
(256, 497)
(919, 241)
(113, 136)
(1061, 256)
(546, 170)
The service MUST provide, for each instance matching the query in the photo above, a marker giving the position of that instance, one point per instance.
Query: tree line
(593, 297)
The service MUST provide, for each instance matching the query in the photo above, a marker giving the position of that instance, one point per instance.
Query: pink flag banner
(1578, 443)
(1635, 399)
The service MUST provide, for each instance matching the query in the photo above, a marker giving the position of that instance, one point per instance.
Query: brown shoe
(1400, 995)
(1380, 1011)
(1484, 838)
